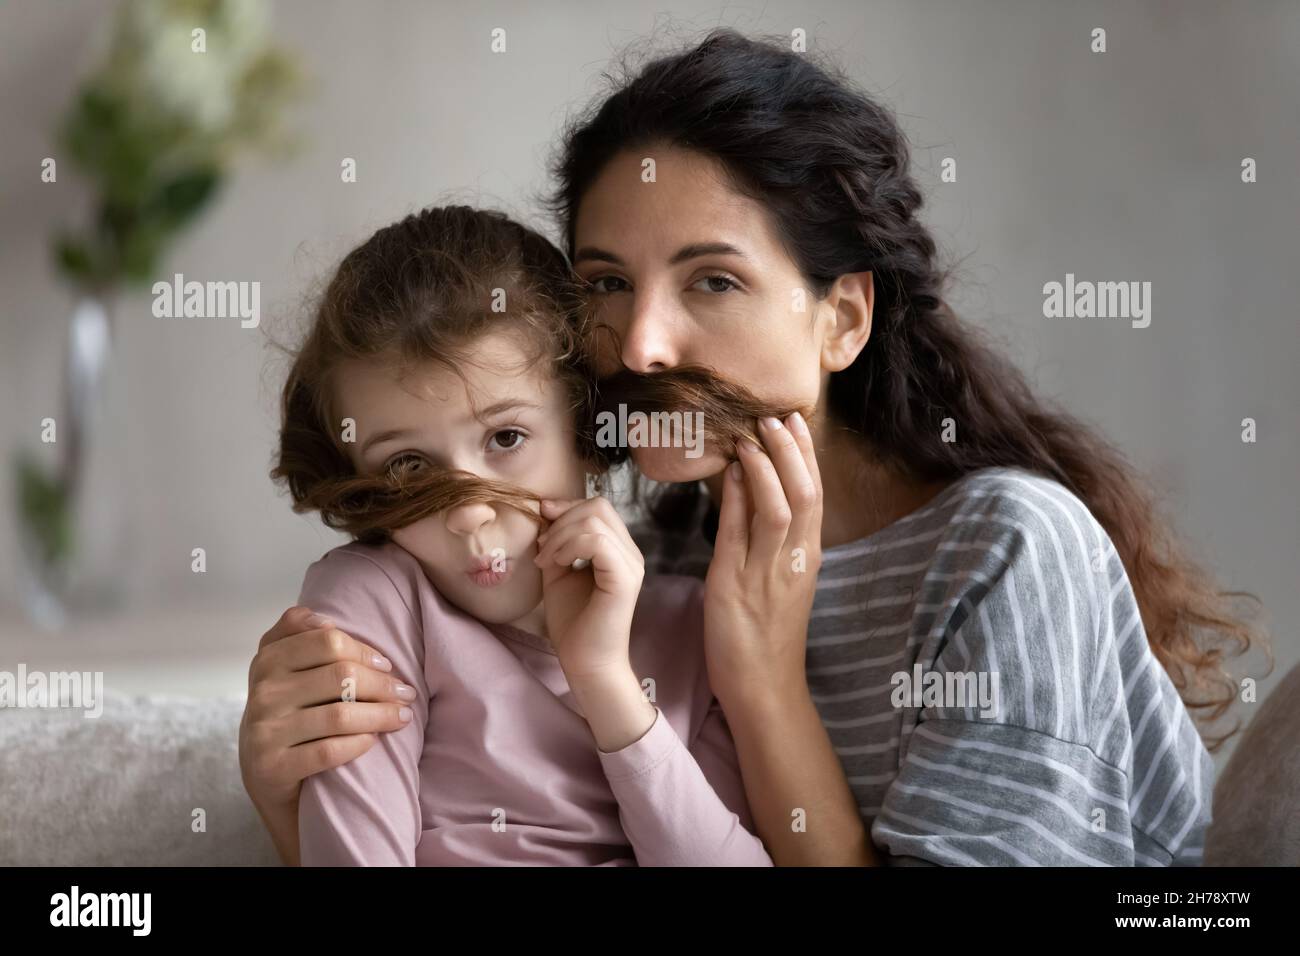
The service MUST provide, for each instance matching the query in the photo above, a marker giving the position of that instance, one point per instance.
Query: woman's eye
(508, 439)
(718, 283)
(597, 286)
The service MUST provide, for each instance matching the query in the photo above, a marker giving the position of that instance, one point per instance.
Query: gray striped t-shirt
(1078, 752)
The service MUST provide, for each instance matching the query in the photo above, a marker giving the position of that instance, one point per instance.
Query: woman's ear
(849, 303)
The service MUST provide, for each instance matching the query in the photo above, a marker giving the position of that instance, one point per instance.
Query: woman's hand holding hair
(758, 595)
(763, 576)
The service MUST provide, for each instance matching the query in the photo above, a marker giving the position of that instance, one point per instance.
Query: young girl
(578, 731)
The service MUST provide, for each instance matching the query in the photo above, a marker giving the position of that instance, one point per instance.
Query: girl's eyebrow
(495, 408)
(385, 436)
(506, 405)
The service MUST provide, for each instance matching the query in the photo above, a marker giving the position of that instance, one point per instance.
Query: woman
(737, 206)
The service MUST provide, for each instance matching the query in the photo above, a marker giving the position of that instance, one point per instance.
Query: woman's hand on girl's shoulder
(295, 724)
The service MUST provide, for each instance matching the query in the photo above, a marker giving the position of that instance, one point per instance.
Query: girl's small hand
(589, 612)
(760, 586)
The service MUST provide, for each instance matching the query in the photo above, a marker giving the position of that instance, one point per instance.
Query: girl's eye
(603, 289)
(405, 465)
(508, 439)
(718, 283)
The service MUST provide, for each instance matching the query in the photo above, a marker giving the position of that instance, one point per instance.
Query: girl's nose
(467, 519)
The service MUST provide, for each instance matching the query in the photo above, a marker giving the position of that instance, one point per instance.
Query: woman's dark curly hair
(832, 167)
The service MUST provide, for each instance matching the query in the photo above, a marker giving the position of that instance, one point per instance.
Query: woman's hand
(760, 586)
(294, 722)
(588, 612)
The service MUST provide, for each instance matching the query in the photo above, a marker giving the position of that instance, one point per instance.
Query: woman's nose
(467, 519)
(648, 342)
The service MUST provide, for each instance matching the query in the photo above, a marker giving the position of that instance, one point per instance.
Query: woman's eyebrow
(697, 249)
(692, 251)
(599, 255)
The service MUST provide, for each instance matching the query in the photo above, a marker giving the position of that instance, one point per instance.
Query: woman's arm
(801, 802)
(758, 595)
(294, 724)
(367, 812)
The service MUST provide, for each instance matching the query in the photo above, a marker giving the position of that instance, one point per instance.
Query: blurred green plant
(158, 122)
(46, 510)
(179, 90)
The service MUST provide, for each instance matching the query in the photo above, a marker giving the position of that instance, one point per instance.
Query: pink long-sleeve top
(497, 766)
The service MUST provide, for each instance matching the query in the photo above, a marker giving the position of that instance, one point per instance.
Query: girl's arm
(670, 811)
(367, 812)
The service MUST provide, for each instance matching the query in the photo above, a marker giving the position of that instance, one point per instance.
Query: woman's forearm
(800, 801)
(282, 824)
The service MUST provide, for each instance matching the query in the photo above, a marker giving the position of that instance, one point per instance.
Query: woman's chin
(675, 465)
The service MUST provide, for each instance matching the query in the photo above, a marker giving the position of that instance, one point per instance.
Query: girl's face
(502, 418)
(687, 270)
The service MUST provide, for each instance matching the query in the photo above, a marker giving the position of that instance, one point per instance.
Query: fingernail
(735, 472)
(404, 692)
(382, 662)
(404, 714)
(748, 445)
(771, 424)
(320, 620)
(797, 424)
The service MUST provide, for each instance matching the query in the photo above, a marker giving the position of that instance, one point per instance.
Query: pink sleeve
(367, 812)
(683, 807)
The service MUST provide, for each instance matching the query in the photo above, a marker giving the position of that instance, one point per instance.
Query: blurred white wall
(1115, 166)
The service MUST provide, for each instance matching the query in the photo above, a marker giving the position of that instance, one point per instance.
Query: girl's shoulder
(373, 592)
(383, 568)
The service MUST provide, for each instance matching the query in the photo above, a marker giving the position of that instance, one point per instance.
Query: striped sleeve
(988, 794)
(1088, 756)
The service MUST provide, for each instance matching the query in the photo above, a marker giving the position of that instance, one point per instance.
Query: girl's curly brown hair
(425, 289)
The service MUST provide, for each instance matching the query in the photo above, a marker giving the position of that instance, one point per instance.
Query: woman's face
(689, 271)
(502, 418)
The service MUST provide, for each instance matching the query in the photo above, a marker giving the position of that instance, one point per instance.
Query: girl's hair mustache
(371, 507)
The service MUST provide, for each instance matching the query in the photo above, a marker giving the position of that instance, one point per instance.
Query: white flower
(171, 76)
